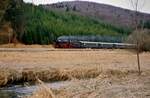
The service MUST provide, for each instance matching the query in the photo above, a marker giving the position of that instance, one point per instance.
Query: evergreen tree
(4, 5)
(74, 8)
(15, 14)
(67, 9)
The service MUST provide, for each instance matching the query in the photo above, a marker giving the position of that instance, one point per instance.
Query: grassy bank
(11, 76)
(125, 84)
(128, 86)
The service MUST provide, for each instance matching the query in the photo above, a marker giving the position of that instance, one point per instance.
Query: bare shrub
(141, 38)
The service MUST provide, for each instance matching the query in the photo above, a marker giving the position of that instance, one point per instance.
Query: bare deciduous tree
(138, 31)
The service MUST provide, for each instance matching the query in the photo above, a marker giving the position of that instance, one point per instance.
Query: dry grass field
(105, 59)
(94, 74)
(20, 45)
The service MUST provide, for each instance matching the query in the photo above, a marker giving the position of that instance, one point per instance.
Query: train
(92, 42)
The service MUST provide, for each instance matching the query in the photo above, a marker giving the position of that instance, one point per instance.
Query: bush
(141, 38)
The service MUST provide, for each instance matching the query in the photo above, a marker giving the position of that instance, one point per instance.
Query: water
(17, 91)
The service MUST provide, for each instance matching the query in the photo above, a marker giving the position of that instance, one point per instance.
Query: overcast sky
(119, 3)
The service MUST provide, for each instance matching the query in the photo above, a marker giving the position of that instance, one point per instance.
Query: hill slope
(111, 14)
(44, 26)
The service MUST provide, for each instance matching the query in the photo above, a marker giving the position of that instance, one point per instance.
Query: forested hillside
(43, 26)
(111, 14)
(31, 24)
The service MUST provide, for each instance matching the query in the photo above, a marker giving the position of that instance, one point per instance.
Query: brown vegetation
(10, 76)
(111, 71)
(6, 33)
(43, 91)
(111, 84)
(20, 45)
(20, 67)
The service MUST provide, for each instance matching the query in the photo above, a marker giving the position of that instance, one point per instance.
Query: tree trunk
(138, 60)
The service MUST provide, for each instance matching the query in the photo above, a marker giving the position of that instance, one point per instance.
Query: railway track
(42, 49)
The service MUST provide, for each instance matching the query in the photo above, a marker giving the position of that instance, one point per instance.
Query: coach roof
(91, 38)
